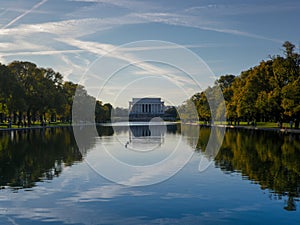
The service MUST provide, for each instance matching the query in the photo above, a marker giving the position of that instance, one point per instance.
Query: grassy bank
(246, 124)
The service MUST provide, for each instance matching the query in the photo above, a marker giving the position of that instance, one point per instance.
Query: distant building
(146, 108)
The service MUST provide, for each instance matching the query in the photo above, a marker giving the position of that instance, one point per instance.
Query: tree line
(268, 92)
(29, 94)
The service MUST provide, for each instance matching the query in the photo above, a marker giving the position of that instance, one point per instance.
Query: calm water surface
(45, 179)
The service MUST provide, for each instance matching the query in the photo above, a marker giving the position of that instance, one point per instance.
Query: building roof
(146, 100)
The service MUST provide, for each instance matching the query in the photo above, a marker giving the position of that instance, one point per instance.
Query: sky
(119, 49)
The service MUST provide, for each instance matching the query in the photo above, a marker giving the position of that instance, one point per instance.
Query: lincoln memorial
(145, 108)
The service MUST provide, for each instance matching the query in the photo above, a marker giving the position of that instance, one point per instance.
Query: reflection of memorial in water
(146, 137)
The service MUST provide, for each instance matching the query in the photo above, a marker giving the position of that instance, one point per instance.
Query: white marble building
(146, 107)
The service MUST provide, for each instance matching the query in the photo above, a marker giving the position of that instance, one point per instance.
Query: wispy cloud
(243, 8)
(50, 52)
(18, 40)
(77, 28)
(240, 33)
(194, 22)
(24, 14)
(190, 17)
(165, 47)
(71, 28)
(142, 12)
(103, 193)
(121, 57)
(128, 4)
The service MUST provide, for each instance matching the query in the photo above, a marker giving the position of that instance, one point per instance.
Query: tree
(202, 106)
(30, 93)
(267, 92)
(225, 81)
(291, 99)
(69, 89)
(102, 112)
(11, 93)
(289, 49)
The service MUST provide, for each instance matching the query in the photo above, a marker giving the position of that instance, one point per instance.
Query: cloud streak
(50, 52)
(243, 8)
(57, 38)
(74, 28)
(24, 14)
(193, 22)
(122, 54)
(80, 27)
(132, 5)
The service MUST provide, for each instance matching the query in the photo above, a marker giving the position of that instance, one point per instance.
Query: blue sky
(70, 36)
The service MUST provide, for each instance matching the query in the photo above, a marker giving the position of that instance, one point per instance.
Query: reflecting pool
(48, 176)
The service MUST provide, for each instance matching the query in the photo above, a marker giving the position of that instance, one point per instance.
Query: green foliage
(103, 112)
(29, 93)
(269, 91)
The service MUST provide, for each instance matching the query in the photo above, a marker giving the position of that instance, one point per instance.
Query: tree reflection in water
(33, 155)
(267, 158)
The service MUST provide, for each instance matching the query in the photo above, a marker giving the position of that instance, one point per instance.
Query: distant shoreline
(282, 130)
